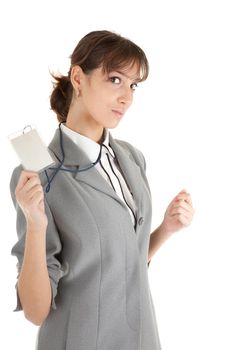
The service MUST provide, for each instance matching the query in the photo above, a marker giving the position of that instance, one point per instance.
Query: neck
(80, 122)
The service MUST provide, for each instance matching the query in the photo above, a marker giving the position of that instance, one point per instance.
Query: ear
(76, 77)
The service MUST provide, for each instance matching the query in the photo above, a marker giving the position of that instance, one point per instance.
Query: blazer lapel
(130, 170)
(75, 158)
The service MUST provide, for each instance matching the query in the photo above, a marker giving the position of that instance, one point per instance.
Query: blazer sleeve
(53, 243)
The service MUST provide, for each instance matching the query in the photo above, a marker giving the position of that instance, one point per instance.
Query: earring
(77, 93)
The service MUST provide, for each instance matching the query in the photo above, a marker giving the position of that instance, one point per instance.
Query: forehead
(131, 71)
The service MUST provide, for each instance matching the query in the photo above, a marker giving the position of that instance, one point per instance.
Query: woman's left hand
(179, 213)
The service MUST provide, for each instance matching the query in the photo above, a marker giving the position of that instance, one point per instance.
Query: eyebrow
(137, 79)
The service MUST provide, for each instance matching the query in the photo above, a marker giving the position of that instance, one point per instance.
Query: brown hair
(96, 49)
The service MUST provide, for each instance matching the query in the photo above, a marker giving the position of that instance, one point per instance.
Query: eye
(134, 86)
(115, 80)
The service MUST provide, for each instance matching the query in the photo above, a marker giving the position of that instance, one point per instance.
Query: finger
(38, 198)
(32, 182)
(184, 221)
(183, 204)
(185, 196)
(183, 191)
(24, 177)
(34, 191)
(181, 195)
(180, 211)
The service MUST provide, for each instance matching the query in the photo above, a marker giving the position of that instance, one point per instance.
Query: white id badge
(31, 150)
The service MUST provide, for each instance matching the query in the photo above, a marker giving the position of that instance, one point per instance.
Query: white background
(181, 120)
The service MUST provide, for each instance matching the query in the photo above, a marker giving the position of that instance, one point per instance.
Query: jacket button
(140, 220)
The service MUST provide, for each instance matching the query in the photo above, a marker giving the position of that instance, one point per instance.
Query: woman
(84, 225)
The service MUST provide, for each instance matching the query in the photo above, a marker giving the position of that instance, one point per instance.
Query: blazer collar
(75, 157)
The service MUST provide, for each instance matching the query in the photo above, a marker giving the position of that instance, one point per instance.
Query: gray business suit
(97, 261)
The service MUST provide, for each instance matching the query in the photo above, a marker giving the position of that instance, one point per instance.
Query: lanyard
(61, 167)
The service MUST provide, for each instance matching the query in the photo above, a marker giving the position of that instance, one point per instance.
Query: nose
(126, 97)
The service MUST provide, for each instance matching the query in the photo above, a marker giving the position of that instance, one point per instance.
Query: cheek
(92, 100)
(97, 107)
(101, 100)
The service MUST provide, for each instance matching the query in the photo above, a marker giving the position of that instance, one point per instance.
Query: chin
(112, 125)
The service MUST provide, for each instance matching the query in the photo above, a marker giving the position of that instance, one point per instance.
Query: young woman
(84, 235)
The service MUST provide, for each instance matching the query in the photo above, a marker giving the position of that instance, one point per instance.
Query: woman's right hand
(30, 197)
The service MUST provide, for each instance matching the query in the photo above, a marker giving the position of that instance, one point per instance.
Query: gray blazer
(97, 260)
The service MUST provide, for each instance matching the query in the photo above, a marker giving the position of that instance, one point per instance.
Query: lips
(118, 113)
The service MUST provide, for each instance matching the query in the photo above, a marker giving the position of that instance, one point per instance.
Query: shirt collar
(88, 146)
